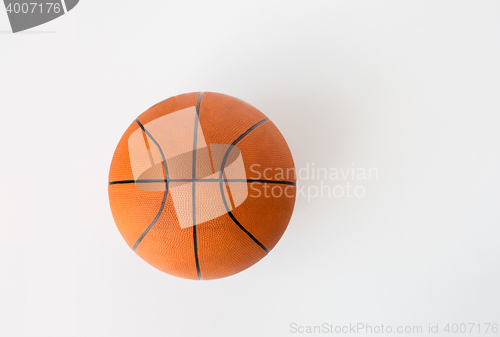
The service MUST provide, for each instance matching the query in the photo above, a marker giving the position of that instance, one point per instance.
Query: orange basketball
(202, 185)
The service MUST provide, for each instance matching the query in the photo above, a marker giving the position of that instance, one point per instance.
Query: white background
(410, 88)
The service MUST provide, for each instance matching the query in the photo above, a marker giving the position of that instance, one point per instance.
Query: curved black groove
(193, 188)
(207, 180)
(222, 181)
(117, 182)
(165, 170)
(280, 182)
(198, 104)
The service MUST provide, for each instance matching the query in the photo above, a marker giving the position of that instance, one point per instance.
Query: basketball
(202, 186)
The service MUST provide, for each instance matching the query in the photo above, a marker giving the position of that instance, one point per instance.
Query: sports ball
(202, 185)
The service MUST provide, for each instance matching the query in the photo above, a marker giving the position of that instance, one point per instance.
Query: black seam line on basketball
(208, 180)
(250, 181)
(198, 103)
(246, 133)
(247, 232)
(221, 184)
(195, 146)
(165, 170)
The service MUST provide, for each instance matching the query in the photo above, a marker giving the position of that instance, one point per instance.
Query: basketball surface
(202, 185)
